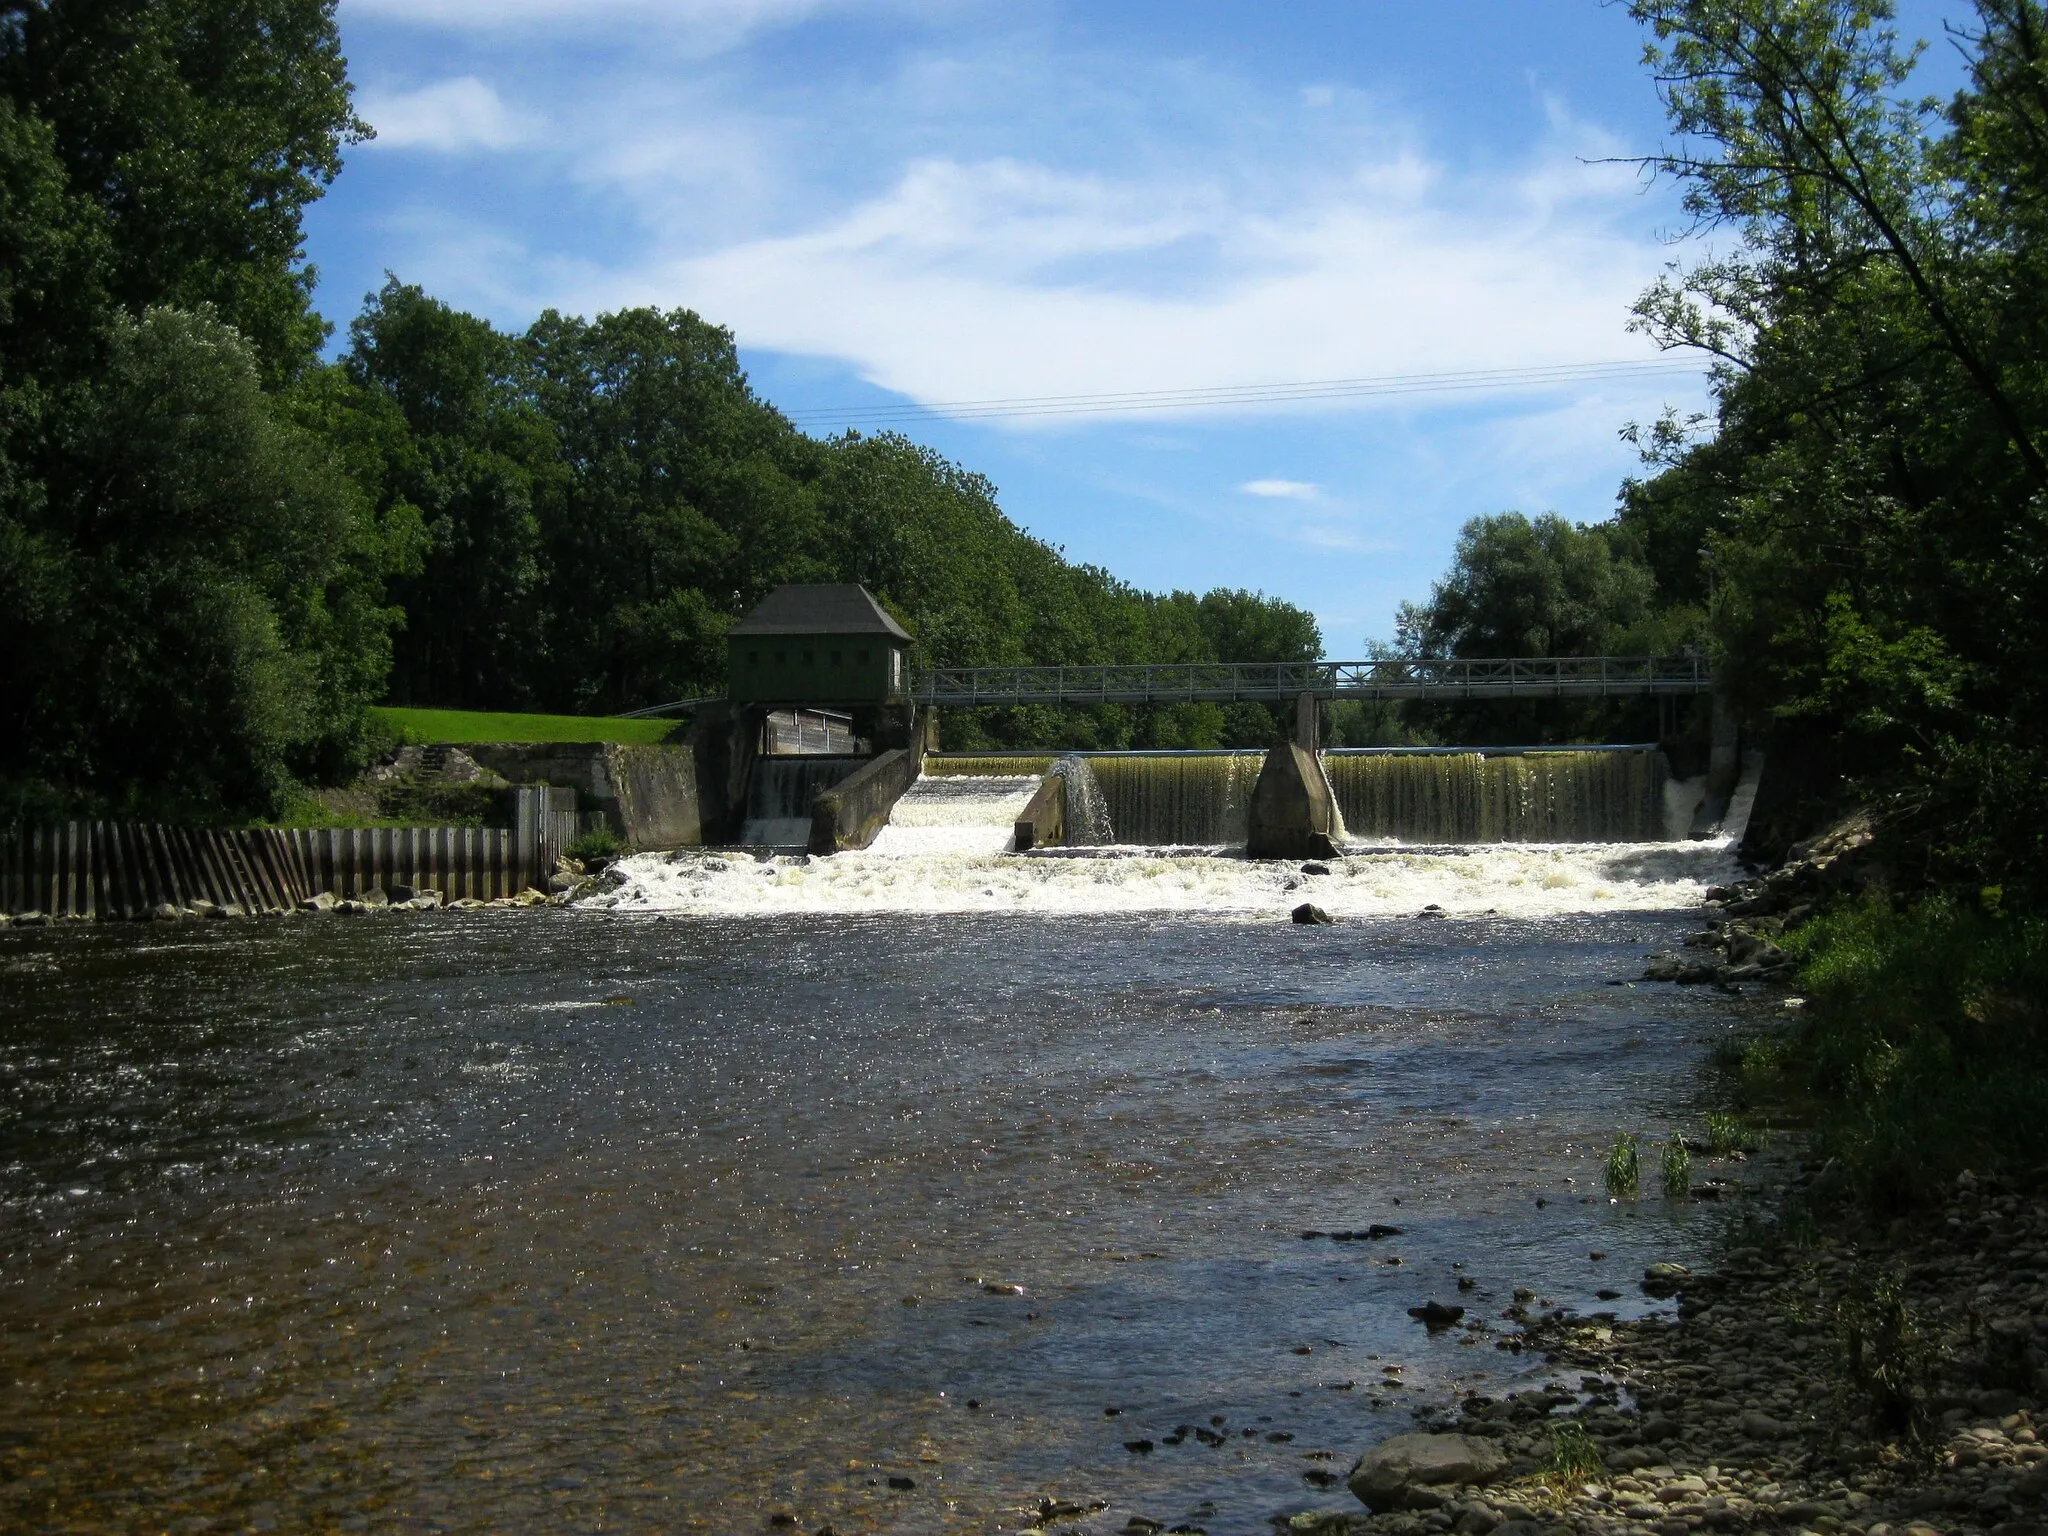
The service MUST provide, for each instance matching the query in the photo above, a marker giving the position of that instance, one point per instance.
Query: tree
(198, 131)
(213, 623)
(1872, 496)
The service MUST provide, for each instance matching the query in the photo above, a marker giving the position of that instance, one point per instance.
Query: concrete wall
(648, 795)
(853, 812)
(1043, 822)
(1293, 813)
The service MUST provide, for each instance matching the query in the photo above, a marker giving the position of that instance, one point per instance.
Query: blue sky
(924, 202)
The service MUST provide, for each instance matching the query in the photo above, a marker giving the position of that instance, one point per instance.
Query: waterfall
(1530, 797)
(957, 814)
(1179, 799)
(1088, 823)
(779, 796)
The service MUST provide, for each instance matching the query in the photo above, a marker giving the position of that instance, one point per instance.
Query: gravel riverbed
(1823, 1379)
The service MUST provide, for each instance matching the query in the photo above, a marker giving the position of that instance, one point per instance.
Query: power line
(1247, 394)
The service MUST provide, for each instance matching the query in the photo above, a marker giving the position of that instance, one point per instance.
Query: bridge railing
(1276, 682)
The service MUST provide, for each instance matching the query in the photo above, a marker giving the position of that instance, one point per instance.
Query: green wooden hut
(818, 644)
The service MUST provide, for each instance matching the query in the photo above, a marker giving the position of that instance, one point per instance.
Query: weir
(1560, 796)
(1470, 795)
(780, 795)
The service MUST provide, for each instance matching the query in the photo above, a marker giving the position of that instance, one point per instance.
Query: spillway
(779, 795)
(1565, 796)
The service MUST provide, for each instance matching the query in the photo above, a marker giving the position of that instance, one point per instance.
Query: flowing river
(898, 1191)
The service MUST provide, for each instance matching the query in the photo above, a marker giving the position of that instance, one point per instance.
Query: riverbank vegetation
(220, 549)
(1864, 522)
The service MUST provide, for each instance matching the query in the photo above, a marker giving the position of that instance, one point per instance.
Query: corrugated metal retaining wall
(127, 869)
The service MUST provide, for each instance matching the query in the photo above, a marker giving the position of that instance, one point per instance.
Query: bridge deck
(1556, 677)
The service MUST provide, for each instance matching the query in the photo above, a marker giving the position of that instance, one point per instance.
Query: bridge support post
(1307, 723)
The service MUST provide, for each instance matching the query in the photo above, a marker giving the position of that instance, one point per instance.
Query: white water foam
(957, 816)
(1511, 879)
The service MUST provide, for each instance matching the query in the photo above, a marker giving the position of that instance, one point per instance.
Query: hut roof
(838, 608)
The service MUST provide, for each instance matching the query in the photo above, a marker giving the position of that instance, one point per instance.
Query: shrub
(598, 843)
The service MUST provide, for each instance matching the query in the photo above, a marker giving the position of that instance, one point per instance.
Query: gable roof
(839, 608)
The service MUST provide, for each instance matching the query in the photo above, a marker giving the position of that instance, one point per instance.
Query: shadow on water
(523, 1220)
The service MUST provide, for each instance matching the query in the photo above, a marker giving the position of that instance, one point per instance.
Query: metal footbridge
(1546, 677)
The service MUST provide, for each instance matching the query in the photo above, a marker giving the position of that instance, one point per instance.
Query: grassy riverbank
(429, 727)
(1922, 1050)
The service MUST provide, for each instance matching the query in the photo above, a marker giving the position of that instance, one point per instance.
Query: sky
(901, 206)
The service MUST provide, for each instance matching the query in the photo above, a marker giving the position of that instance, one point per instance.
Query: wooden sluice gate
(118, 869)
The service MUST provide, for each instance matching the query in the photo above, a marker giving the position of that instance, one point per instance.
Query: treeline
(218, 550)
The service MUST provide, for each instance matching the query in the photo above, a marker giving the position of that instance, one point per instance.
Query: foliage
(1923, 1044)
(1623, 1172)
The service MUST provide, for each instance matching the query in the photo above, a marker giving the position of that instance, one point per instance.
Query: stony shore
(1831, 1381)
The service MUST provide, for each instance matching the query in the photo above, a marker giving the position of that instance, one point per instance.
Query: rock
(1662, 1280)
(1659, 1427)
(426, 901)
(374, 898)
(466, 904)
(1310, 915)
(319, 901)
(1386, 1475)
(227, 909)
(1435, 1316)
(166, 912)
(1761, 1426)
(1315, 869)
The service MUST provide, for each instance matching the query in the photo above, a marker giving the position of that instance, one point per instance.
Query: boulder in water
(1310, 915)
(1435, 1316)
(1388, 1474)
(1315, 869)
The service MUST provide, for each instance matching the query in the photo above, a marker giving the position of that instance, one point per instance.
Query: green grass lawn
(425, 727)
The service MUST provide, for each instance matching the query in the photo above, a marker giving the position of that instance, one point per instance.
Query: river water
(709, 1206)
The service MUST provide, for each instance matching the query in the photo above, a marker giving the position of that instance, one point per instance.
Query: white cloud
(449, 115)
(1289, 490)
(1001, 278)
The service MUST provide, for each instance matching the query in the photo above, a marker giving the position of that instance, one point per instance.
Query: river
(884, 1193)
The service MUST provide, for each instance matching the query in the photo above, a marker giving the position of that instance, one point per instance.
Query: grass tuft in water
(1731, 1133)
(1624, 1171)
(1676, 1169)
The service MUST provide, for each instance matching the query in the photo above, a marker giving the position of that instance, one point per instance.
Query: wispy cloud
(448, 116)
(1287, 490)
